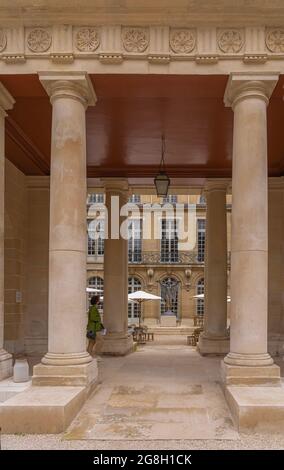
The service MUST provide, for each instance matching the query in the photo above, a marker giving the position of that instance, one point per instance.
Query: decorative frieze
(87, 39)
(275, 40)
(230, 41)
(182, 41)
(157, 44)
(135, 39)
(3, 40)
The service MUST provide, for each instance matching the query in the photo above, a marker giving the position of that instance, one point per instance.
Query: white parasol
(142, 296)
(201, 296)
(94, 290)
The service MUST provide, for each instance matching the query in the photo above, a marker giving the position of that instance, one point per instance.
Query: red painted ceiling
(132, 112)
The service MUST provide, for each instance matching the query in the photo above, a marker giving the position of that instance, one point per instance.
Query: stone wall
(276, 270)
(15, 256)
(36, 321)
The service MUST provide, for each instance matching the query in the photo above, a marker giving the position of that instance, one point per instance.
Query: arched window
(98, 283)
(134, 309)
(200, 302)
(169, 294)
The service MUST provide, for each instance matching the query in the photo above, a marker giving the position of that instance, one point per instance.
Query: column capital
(115, 184)
(216, 184)
(6, 100)
(242, 85)
(76, 85)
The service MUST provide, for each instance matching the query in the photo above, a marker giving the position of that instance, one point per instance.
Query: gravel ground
(55, 442)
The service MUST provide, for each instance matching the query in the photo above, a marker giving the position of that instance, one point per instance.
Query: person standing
(94, 323)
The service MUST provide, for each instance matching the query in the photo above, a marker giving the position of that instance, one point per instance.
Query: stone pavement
(161, 392)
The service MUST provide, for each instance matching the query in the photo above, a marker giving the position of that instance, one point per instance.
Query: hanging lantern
(162, 181)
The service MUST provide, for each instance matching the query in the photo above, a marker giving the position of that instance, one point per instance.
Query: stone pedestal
(6, 102)
(168, 320)
(248, 357)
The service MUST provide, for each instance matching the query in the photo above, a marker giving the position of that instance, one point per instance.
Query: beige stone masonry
(41, 410)
(117, 341)
(215, 338)
(70, 94)
(249, 95)
(6, 102)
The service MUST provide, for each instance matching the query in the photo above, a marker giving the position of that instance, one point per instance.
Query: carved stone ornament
(3, 40)
(135, 39)
(182, 41)
(39, 40)
(275, 40)
(230, 41)
(87, 39)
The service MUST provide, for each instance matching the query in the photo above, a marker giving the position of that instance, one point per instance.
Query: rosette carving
(3, 40)
(39, 40)
(275, 40)
(230, 41)
(135, 39)
(182, 41)
(87, 39)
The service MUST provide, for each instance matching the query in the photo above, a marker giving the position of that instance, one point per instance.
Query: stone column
(6, 102)
(117, 341)
(248, 360)
(215, 339)
(67, 361)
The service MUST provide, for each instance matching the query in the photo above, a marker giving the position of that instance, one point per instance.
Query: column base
(215, 346)
(117, 344)
(84, 375)
(6, 364)
(268, 375)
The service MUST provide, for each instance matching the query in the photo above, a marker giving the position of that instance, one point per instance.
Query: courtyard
(163, 396)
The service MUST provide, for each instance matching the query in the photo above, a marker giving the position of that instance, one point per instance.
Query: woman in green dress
(94, 323)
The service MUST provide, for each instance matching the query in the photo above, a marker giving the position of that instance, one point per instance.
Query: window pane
(169, 241)
(201, 240)
(134, 309)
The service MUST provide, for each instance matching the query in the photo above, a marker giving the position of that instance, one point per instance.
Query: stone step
(8, 388)
(171, 330)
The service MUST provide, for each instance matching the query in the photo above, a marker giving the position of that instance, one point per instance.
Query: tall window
(94, 198)
(171, 198)
(172, 298)
(201, 240)
(98, 283)
(202, 199)
(135, 241)
(135, 198)
(169, 241)
(96, 238)
(200, 302)
(134, 309)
